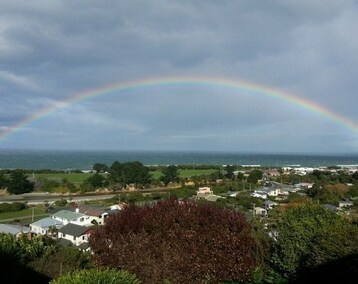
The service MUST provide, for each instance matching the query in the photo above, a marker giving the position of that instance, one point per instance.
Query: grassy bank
(25, 216)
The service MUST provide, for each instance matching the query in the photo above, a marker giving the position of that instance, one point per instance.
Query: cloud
(50, 51)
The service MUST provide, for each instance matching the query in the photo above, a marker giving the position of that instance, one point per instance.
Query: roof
(47, 222)
(269, 202)
(346, 202)
(74, 230)
(65, 242)
(84, 246)
(91, 211)
(13, 229)
(212, 197)
(67, 215)
(330, 207)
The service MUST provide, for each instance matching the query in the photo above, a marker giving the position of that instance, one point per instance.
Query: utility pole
(32, 217)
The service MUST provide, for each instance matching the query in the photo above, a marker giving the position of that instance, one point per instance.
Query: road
(40, 198)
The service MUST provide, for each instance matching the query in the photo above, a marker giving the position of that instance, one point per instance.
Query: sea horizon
(37, 159)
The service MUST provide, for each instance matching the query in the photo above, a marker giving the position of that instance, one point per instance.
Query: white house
(272, 191)
(45, 225)
(76, 234)
(66, 216)
(15, 230)
(343, 204)
(259, 211)
(95, 214)
(204, 190)
(259, 194)
(266, 191)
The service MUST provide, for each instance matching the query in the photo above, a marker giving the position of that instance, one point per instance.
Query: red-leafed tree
(179, 242)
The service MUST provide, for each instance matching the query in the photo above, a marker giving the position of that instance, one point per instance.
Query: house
(269, 204)
(273, 173)
(116, 207)
(342, 204)
(303, 185)
(263, 192)
(207, 194)
(67, 216)
(259, 194)
(45, 226)
(75, 234)
(15, 230)
(204, 190)
(259, 211)
(97, 215)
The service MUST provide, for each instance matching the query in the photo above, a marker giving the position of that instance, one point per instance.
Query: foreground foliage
(178, 242)
(308, 237)
(95, 276)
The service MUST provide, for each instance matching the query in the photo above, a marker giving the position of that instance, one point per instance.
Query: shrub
(179, 242)
(309, 236)
(95, 276)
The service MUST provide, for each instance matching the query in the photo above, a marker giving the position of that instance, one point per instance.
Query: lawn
(25, 216)
(190, 173)
(78, 178)
(75, 178)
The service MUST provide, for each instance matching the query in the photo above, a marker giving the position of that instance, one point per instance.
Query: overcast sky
(53, 50)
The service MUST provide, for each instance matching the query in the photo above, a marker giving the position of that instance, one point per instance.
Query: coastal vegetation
(166, 234)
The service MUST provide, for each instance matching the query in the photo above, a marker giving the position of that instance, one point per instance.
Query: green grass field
(75, 178)
(190, 173)
(78, 178)
(25, 216)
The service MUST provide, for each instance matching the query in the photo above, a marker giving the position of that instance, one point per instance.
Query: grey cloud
(52, 50)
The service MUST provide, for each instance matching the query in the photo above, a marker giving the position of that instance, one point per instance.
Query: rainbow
(234, 84)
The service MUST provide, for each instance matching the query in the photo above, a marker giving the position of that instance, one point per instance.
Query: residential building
(342, 204)
(259, 211)
(67, 216)
(45, 226)
(269, 204)
(75, 234)
(16, 230)
(97, 215)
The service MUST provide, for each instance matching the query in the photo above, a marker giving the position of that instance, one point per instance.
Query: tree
(18, 183)
(254, 176)
(177, 242)
(61, 202)
(129, 172)
(170, 174)
(61, 260)
(229, 172)
(100, 168)
(355, 175)
(14, 255)
(3, 180)
(96, 276)
(96, 181)
(310, 235)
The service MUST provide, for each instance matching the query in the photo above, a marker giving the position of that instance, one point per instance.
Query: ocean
(84, 160)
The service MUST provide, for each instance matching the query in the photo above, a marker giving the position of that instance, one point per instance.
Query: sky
(52, 51)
